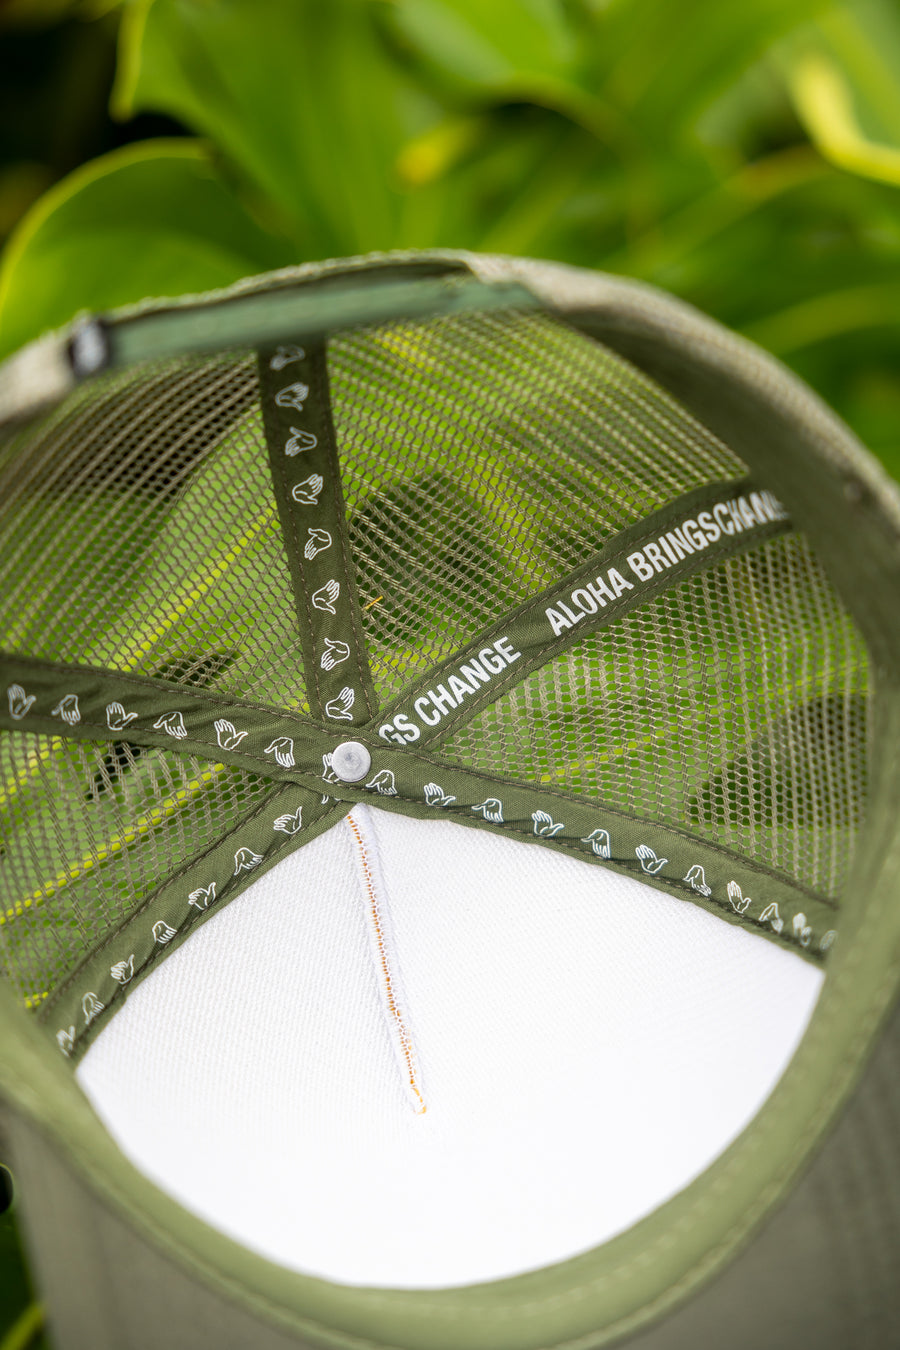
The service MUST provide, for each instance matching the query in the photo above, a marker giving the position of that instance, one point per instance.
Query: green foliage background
(745, 156)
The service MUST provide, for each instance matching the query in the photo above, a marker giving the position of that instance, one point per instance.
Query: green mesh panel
(87, 831)
(147, 500)
(485, 457)
(734, 705)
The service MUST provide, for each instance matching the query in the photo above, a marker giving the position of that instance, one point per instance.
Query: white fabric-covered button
(351, 761)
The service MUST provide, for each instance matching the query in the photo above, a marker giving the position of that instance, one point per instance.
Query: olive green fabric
(821, 1272)
(293, 388)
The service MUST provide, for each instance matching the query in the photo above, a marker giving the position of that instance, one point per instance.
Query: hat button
(351, 761)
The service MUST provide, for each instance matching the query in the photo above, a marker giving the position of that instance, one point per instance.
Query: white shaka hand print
(696, 878)
(801, 928)
(740, 903)
(117, 718)
(227, 734)
(19, 702)
(339, 708)
(770, 915)
(163, 932)
(66, 1040)
(67, 708)
(492, 809)
(283, 749)
(91, 1006)
(293, 396)
(599, 842)
(285, 355)
(649, 861)
(383, 782)
(335, 652)
(436, 796)
(307, 493)
(289, 824)
(123, 971)
(245, 859)
(316, 542)
(173, 723)
(203, 896)
(544, 826)
(326, 595)
(299, 441)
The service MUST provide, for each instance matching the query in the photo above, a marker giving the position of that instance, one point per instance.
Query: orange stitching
(400, 1027)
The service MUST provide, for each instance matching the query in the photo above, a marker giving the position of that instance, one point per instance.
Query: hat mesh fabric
(88, 831)
(483, 458)
(733, 705)
(150, 504)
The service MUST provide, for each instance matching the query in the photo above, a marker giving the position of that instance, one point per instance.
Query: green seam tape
(303, 458)
(719, 881)
(79, 1008)
(288, 748)
(703, 527)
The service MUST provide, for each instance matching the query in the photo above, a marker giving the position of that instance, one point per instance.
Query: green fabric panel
(826, 1260)
(303, 458)
(104, 1286)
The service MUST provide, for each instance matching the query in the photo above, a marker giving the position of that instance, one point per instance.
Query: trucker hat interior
(489, 1002)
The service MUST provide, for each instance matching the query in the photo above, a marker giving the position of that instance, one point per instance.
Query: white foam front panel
(585, 1046)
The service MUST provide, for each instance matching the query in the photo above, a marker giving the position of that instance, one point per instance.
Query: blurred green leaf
(303, 96)
(38, 13)
(21, 183)
(499, 46)
(153, 219)
(665, 63)
(844, 75)
(25, 1331)
(837, 313)
(18, 1317)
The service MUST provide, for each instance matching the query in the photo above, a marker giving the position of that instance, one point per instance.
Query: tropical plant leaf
(501, 47)
(302, 96)
(665, 63)
(844, 75)
(153, 219)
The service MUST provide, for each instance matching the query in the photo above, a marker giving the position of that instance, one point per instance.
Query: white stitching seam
(384, 953)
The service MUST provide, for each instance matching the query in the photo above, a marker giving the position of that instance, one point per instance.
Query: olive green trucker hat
(450, 840)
